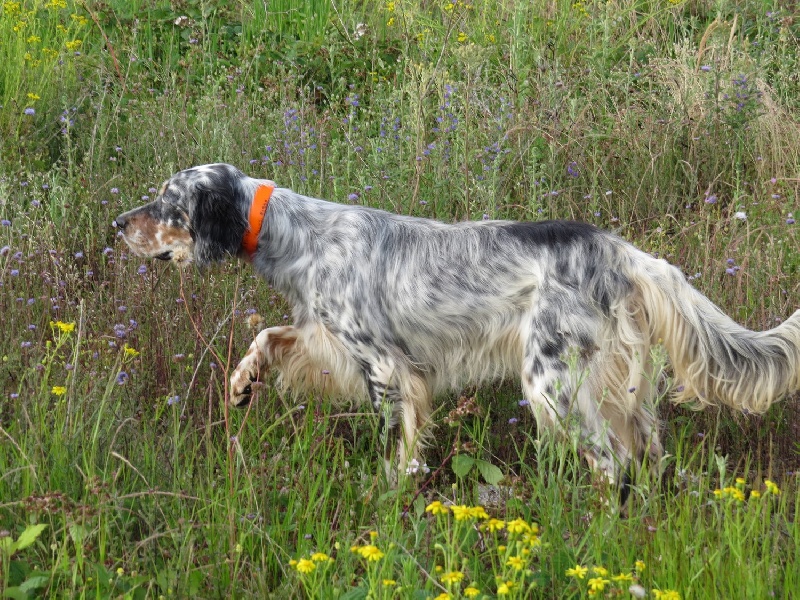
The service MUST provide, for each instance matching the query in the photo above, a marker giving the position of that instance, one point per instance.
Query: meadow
(123, 474)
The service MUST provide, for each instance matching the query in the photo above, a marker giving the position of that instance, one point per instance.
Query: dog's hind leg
(558, 357)
(401, 398)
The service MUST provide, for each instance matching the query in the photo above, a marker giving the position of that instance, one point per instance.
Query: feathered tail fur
(715, 360)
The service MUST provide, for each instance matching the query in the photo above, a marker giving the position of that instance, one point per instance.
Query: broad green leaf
(15, 592)
(462, 463)
(359, 593)
(27, 537)
(490, 473)
(35, 582)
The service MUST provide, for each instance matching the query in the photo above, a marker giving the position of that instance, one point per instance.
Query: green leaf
(194, 581)
(15, 592)
(462, 463)
(359, 593)
(35, 582)
(27, 537)
(490, 473)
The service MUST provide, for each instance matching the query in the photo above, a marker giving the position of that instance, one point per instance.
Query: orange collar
(258, 209)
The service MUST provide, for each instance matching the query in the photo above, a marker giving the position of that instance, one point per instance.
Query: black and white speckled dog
(397, 309)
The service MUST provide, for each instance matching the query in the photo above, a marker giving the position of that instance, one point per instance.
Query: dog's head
(199, 216)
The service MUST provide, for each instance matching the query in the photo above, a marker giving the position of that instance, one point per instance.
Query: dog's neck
(258, 210)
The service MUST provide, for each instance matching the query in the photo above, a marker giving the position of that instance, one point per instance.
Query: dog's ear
(218, 223)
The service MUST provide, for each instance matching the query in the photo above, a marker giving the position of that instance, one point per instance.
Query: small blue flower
(572, 169)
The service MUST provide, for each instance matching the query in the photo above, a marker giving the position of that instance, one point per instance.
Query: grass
(121, 472)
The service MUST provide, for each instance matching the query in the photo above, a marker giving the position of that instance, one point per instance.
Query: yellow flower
(666, 595)
(452, 577)
(373, 535)
(478, 512)
(601, 571)
(532, 540)
(443, 596)
(11, 8)
(577, 571)
(597, 584)
(437, 508)
(755, 494)
(73, 45)
(518, 526)
(730, 492)
(33, 39)
(64, 327)
(56, 4)
(33, 97)
(771, 487)
(493, 525)
(390, 7)
(79, 19)
(389, 582)
(131, 352)
(471, 592)
(305, 566)
(623, 577)
(517, 562)
(120, 571)
(461, 512)
(740, 481)
(319, 557)
(505, 588)
(462, 37)
(59, 390)
(371, 553)
(390, 22)
(639, 566)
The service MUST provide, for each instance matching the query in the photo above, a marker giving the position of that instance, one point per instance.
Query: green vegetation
(121, 472)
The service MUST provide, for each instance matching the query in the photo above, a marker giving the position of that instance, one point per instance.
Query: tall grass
(674, 123)
(42, 44)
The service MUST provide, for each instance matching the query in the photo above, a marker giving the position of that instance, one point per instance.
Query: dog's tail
(715, 360)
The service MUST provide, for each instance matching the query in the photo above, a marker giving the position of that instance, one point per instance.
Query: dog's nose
(120, 222)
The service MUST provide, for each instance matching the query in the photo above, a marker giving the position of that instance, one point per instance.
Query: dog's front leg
(267, 350)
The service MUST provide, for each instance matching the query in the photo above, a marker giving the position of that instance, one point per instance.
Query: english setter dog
(397, 309)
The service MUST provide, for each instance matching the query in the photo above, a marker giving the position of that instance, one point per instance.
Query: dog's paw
(246, 378)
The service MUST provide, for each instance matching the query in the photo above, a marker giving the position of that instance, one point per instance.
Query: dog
(396, 310)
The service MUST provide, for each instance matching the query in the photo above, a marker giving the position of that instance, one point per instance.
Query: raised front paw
(246, 378)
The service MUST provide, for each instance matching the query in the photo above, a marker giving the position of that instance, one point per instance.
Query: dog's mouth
(164, 255)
